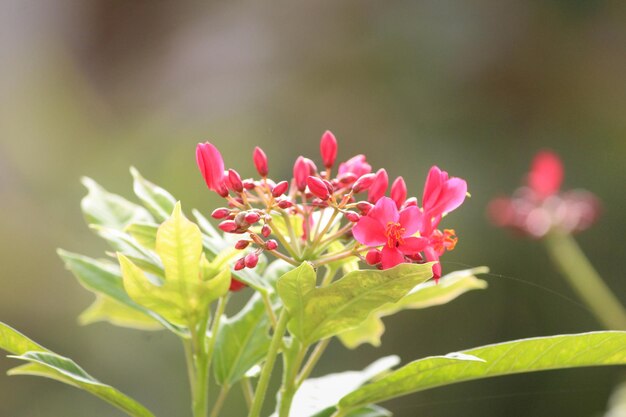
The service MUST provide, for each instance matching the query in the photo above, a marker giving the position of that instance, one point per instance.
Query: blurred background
(91, 87)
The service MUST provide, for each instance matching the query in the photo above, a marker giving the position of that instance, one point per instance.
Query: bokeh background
(91, 87)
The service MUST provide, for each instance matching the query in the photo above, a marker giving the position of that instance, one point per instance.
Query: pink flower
(356, 165)
(438, 243)
(385, 226)
(546, 174)
(442, 194)
(378, 187)
(328, 148)
(211, 166)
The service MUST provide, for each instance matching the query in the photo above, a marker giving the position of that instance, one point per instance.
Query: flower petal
(412, 245)
(384, 211)
(411, 219)
(455, 192)
(369, 231)
(391, 257)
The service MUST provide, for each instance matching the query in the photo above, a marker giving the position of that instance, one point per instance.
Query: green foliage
(317, 397)
(242, 342)
(427, 294)
(44, 363)
(526, 355)
(190, 282)
(319, 313)
(158, 201)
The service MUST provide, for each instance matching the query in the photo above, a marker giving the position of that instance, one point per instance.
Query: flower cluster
(326, 215)
(540, 207)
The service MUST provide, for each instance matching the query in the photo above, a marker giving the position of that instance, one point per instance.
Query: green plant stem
(219, 312)
(292, 233)
(585, 280)
(268, 307)
(268, 367)
(219, 402)
(292, 360)
(315, 356)
(200, 387)
(248, 392)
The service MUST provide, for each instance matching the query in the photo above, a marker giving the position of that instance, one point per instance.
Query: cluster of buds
(323, 215)
(540, 207)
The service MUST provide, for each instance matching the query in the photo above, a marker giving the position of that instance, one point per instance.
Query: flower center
(443, 241)
(394, 233)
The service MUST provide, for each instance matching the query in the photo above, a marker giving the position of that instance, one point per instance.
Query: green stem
(219, 402)
(312, 361)
(219, 312)
(293, 360)
(268, 367)
(585, 280)
(248, 392)
(292, 233)
(268, 307)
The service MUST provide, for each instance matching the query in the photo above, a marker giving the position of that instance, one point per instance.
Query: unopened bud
(251, 260)
(228, 226)
(271, 244)
(363, 183)
(266, 230)
(398, 191)
(234, 181)
(240, 219)
(260, 161)
(220, 213)
(364, 207)
(318, 188)
(329, 186)
(239, 265)
(352, 216)
(236, 285)
(348, 178)
(252, 217)
(248, 184)
(242, 244)
(378, 187)
(411, 202)
(280, 188)
(300, 173)
(285, 204)
(328, 148)
(373, 257)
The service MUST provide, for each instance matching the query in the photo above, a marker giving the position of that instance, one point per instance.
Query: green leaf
(103, 208)
(156, 199)
(107, 309)
(427, 294)
(47, 364)
(144, 233)
(242, 342)
(317, 396)
(369, 411)
(104, 279)
(526, 355)
(319, 313)
(65, 370)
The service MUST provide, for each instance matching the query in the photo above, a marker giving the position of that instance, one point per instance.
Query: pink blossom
(211, 166)
(546, 174)
(441, 193)
(398, 191)
(356, 165)
(385, 226)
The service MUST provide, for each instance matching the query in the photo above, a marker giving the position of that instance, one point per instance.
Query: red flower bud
(352, 216)
(252, 217)
(242, 244)
(271, 244)
(236, 285)
(328, 148)
(266, 231)
(211, 167)
(398, 191)
(280, 188)
(329, 186)
(364, 207)
(363, 183)
(251, 260)
(285, 204)
(260, 161)
(220, 213)
(379, 186)
(318, 188)
(234, 181)
(228, 226)
(300, 173)
(348, 178)
(373, 257)
(248, 184)
(239, 265)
